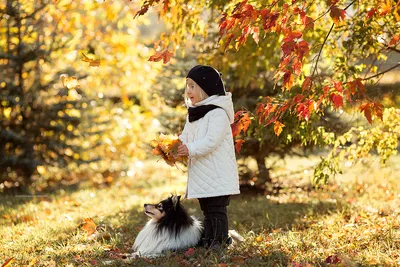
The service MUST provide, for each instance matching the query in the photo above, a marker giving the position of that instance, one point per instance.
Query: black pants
(215, 217)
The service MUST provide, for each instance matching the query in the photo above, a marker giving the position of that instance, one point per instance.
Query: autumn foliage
(167, 148)
(296, 23)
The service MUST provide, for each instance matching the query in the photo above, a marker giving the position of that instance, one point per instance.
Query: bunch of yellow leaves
(167, 147)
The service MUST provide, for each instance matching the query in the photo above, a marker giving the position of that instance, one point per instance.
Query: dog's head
(158, 211)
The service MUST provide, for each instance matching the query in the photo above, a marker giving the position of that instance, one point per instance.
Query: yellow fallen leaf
(33, 262)
(8, 262)
(89, 226)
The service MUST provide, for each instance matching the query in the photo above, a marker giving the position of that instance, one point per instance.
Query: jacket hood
(224, 102)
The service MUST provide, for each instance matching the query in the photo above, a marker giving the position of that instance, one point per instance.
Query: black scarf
(200, 111)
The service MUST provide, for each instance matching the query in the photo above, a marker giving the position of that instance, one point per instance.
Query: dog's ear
(175, 200)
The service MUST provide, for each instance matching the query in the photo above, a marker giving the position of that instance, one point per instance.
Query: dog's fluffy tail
(236, 237)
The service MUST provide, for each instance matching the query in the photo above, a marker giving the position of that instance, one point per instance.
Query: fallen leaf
(147, 260)
(333, 259)
(189, 252)
(33, 262)
(89, 226)
(239, 259)
(8, 262)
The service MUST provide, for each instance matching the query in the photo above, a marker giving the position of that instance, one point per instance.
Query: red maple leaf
(366, 108)
(371, 13)
(189, 252)
(288, 47)
(296, 66)
(228, 41)
(306, 84)
(337, 14)
(308, 22)
(298, 98)
(288, 80)
(235, 129)
(337, 100)
(303, 111)
(166, 6)
(338, 86)
(395, 39)
(333, 259)
(238, 145)
(302, 49)
(241, 123)
(378, 110)
(269, 19)
(291, 36)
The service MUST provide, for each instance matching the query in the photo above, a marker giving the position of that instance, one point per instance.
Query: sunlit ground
(355, 221)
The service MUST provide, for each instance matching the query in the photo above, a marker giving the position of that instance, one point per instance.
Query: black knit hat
(208, 78)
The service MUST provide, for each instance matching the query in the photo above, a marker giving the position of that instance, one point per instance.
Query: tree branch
(383, 72)
(320, 51)
(326, 38)
(352, 2)
(393, 49)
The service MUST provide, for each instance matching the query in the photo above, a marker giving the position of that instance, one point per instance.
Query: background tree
(40, 126)
(329, 52)
(48, 126)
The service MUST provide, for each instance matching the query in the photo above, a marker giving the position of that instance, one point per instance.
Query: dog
(170, 228)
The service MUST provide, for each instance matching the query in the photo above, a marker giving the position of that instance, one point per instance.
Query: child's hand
(183, 151)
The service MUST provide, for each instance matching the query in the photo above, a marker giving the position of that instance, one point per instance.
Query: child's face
(193, 91)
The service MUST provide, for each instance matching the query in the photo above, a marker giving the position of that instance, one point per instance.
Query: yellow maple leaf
(167, 147)
(92, 62)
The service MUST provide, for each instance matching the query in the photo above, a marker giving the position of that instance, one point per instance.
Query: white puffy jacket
(212, 162)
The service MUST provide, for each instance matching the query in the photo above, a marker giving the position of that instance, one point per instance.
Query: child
(208, 142)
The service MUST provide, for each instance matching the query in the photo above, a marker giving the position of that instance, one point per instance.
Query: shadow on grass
(13, 199)
(257, 213)
(246, 214)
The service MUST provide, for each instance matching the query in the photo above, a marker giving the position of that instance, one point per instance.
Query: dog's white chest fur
(149, 242)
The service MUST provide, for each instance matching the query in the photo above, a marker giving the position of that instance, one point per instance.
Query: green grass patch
(354, 221)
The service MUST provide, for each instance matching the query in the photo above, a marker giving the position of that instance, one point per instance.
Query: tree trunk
(263, 172)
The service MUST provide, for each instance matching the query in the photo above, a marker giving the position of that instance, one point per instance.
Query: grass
(354, 221)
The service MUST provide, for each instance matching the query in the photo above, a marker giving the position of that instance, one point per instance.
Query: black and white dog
(170, 228)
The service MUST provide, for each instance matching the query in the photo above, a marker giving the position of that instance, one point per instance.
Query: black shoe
(228, 241)
(206, 242)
